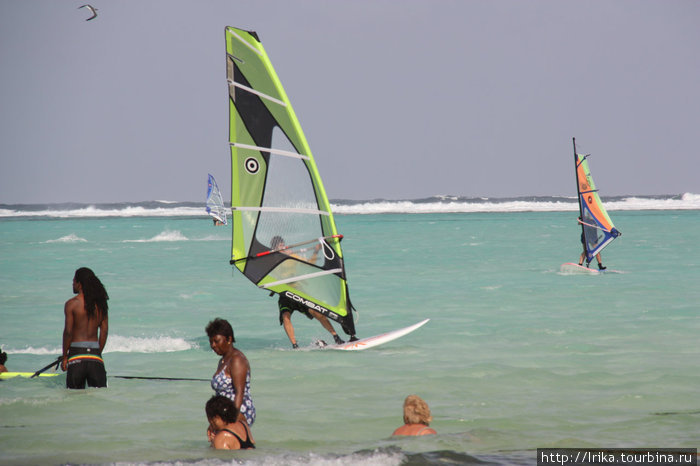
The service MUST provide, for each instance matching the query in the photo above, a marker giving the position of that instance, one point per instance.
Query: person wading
(85, 332)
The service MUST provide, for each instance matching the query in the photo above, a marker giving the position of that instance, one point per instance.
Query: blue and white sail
(215, 203)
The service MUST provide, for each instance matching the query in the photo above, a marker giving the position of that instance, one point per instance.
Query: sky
(399, 99)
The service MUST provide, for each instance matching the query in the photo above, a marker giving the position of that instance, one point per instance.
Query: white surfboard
(570, 268)
(377, 340)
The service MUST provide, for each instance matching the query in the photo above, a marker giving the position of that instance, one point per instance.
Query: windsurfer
(215, 203)
(287, 306)
(585, 251)
(583, 255)
(85, 332)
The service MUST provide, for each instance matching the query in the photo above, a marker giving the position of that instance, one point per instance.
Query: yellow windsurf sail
(284, 236)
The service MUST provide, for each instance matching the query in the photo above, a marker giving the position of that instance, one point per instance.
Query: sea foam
(166, 235)
(121, 344)
(434, 204)
(72, 238)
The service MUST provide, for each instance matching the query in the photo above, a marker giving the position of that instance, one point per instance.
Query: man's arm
(67, 332)
(315, 254)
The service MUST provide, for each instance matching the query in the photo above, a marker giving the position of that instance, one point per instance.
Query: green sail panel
(284, 236)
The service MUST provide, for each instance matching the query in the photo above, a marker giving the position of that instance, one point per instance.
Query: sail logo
(251, 165)
(306, 303)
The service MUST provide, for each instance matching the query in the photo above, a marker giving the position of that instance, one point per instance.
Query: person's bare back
(82, 328)
(85, 331)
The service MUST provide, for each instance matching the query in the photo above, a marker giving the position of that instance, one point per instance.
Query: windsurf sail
(597, 228)
(215, 203)
(284, 236)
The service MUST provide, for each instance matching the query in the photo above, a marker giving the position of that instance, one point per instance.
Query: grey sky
(398, 99)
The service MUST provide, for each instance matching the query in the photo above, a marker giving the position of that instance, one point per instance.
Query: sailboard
(597, 229)
(377, 340)
(284, 237)
(570, 268)
(215, 203)
(10, 375)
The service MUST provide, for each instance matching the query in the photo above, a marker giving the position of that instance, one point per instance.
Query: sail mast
(578, 192)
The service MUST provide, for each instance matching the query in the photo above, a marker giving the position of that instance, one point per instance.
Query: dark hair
(276, 241)
(220, 327)
(219, 405)
(93, 291)
(3, 357)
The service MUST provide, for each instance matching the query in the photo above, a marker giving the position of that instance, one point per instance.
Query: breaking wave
(434, 204)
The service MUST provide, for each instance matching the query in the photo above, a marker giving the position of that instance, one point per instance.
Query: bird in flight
(92, 9)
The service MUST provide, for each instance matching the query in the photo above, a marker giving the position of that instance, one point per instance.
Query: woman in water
(226, 430)
(232, 377)
(416, 417)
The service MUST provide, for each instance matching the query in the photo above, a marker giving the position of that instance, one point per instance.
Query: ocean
(517, 356)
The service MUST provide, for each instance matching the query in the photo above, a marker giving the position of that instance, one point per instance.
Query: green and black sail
(284, 236)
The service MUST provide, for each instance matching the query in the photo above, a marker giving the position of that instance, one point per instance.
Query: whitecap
(45, 350)
(159, 344)
(120, 344)
(166, 235)
(72, 238)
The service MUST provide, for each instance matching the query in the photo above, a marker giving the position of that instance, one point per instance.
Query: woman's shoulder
(227, 438)
(414, 429)
(427, 431)
(238, 359)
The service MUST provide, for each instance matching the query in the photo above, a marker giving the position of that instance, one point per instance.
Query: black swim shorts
(85, 365)
(289, 305)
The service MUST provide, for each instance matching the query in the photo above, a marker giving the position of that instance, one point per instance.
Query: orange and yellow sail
(597, 228)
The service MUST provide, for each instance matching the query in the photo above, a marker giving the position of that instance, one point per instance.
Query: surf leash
(44, 369)
(157, 378)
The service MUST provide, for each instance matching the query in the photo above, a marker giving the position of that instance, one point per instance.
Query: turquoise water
(516, 356)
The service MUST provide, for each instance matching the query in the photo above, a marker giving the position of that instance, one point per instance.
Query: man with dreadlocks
(85, 332)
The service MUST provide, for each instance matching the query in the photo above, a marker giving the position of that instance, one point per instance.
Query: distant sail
(215, 203)
(598, 229)
(276, 191)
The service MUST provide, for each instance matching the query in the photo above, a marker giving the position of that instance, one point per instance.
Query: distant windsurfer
(85, 332)
(287, 306)
(585, 250)
(92, 9)
(215, 204)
